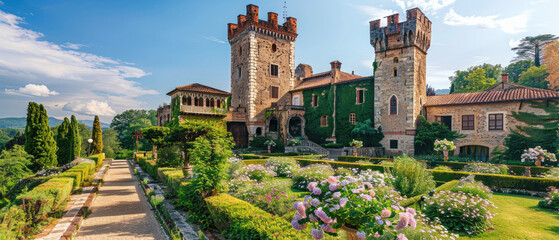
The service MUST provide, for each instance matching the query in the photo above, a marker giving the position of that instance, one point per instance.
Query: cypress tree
(97, 136)
(75, 137)
(39, 138)
(64, 141)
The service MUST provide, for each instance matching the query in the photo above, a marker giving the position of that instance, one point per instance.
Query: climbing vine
(313, 115)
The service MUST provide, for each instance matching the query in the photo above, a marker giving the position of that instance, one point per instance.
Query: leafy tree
(551, 61)
(85, 134)
(531, 46)
(111, 145)
(138, 119)
(426, 134)
(156, 135)
(430, 91)
(461, 83)
(129, 139)
(410, 177)
(185, 134)
(64, 142)
(478, 82)
(534, 77)
(6, 134)
(75, 137)
(13, 167)
(366, 132)
(516, 68)
(39, 140)
(97, 136)
(18, 139)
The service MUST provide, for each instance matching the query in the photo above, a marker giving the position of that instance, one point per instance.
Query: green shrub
(484, 168)
(238, 219)
(172, 177)
(255, 172)
(368, 159)
(469, 185)
(169, 157)
(460, 211)
(190, 199)
(333, 145)
(443, 168)
(283, 167)
(312, 156)
(337, 164)
(90, 167)
(256, 161)
(410, 177)
(273, 196)
(551, 201)
(98, 158)
(344, 172)
(499, 180)
(311, 173)
(13, 222)
(259, 143)
(283, 154)
(251, 156)
(77, 176)
(414, 200)
(60, 188)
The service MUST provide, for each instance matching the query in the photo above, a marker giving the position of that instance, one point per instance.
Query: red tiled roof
(501, 92)
(196, 87)
(323, 79)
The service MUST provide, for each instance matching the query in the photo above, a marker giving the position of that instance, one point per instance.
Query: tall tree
(97, 136)
(551, 61)
(156, 135)
(531, 46)
(461, 83)
(133, 120)
(430, 91)
(534, 77)
(75, 137)
(64, 142)
(516, 68)
(39, 140)
(478, 82)
(111, 145)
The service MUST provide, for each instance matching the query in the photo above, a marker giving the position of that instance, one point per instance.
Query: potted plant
(444, 146)
(538, 155)
(356, 144)
(345, 203)
(270, 143)
(294, 142)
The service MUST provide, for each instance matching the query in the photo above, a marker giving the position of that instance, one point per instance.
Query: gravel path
(119, 212)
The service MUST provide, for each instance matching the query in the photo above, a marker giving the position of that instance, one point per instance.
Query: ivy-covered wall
(345, 104)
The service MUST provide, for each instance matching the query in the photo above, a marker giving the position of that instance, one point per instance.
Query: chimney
(505, 77)
(273, 19)
(335, 70)
(241, 19)
(252, 13)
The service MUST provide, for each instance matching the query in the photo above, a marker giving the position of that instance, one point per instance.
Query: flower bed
(368, 159)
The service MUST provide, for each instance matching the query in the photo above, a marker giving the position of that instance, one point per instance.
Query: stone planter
(539, 161)
(445, 154)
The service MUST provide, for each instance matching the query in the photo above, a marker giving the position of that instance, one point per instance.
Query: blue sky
(102, 57)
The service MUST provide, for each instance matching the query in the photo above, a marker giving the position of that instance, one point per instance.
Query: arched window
(258, 131)
(218, 104)
(393, 105)
(212, 103)
(395, 72)
(352, 118)
(395, 60)
(207, 102)
(183, 100)
(324, 121)
(195, 101)
(188, 101)
(274, 47)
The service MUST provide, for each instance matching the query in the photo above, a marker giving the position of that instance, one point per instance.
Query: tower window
(393, 105)
(314, 101)
(393, 144)
(324, 121)
(275, 92)
(395, 72)
(274, 70)
(274, 47)
(359, 96)
(240, 50)
(352, 118)
(239, 72)
(395, 60)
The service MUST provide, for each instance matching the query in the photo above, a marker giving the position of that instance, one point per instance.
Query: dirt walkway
(119, 212)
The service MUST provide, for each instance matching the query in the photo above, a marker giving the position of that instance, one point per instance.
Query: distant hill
(442, 91)
(22, 121)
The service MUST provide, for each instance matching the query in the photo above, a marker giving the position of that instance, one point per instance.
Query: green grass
(519, 217)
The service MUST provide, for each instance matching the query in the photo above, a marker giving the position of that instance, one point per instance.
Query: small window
(359, 96)
(395, 72)
(239, 73)
(393, 144)
(240, 50)
(189, 101)
(314, 101)
(274, 71)
(352, 118)
(467, 122)
(395, 60)
(218, 104)
(324, 121)
(445, 121)
(393, 105)
(183, 100)
(274, 47)
(496, 121)
(258, 131)
(275, 92)
(296, 101)
(207, 102)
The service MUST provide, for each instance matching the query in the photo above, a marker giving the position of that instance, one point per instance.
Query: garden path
(120, 211)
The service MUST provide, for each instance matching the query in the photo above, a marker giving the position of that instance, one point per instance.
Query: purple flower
(366, 197)
(269, 198)
(385, 213)
(301, 210)
(343, 201)
(316, 191)
(297, 226)
(315, 202)
(328, 228)
(401, 236)
(377, 235)
(322, 215)
(344, 182)
(312, 185)
(403, 221)
(313, 218)
(410, 211)
(307, 197)
(317, 233)
(361, 235)
(380, 222)
(295, 205)
(336, 194)
(333, 187)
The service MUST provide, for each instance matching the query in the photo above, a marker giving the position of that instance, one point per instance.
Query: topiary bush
(283, 167)
(410, 177)
(485, 168)
(311, 173)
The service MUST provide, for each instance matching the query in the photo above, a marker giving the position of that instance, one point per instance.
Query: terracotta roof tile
(501, 92)
(196, 87)
(324, 79)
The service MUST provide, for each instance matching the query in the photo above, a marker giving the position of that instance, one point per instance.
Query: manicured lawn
(521, 218)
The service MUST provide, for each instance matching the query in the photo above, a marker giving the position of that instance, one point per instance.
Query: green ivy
(312, 116)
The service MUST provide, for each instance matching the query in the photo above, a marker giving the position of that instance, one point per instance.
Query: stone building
(196, 101)
(163, 114)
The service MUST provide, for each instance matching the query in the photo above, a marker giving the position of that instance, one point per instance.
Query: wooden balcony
(202, 110)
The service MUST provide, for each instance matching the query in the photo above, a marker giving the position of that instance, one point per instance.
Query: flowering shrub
(410, 177)
(356, 143)
(271, 196)
(458, 211)
(311, 173)
(469, 185)
(345, 172)
(427, 229)
(538, 153)
(255, 172)
(443, 145)
(283, 167)
(484, 168)
(443, 168)
(343, 201)
(551, 201)
(374, 177)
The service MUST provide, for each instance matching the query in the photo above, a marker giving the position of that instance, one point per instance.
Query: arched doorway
(273, 125)
(295, 127)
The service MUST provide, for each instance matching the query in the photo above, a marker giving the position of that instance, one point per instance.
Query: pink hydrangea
(315, 202)
(316, 191)
(332, 179)
(377, 235)
(411, 211)
(343, 201)
(322, 215)
(301, 210)
(372, 193)
(368, 184)
(312, 185)
(333, 187)
(313, 218)
(317, 233)
(402, 222)
(361, 235)
(385, 213)
(328, 228)
(366, 197)
(401, 236)
(337, 195)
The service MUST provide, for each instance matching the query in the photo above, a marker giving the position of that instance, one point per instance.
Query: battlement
(415, 31)
(251, 20)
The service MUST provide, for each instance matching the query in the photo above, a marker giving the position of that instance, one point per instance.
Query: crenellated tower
(262, 66)
(400, 77)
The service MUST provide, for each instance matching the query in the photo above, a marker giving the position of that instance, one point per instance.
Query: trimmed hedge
(355, 159)
(337, 164)
(98, 158)
(89, 166)
(516, 169)
(77, 176)
(500, 181)
(413, 200)
(172, 177)
(252, 156)
(256, 161)
(238, 219)
(46, 197)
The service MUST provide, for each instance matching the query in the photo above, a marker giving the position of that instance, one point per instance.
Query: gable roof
(501, 92)
(324, 79)
(196, 87)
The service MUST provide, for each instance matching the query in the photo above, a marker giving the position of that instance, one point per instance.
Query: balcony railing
(202, 110)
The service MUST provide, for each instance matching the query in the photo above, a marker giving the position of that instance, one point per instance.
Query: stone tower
(400, 85)
(262, 66)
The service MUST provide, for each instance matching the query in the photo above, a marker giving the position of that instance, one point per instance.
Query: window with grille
(393, 105)
(393, 144)
(360, 96)
(496, 121)
(324, 121)
(239, 74)
(274, 70)
(352, 118)
(275, 92)
(467, 122)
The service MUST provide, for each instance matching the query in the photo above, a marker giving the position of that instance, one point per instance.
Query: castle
(273, 98)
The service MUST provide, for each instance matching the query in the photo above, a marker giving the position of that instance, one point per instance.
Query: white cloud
(514, 43)
(74, 46)
(213, 39)
(511, 25)
(482, 59)
(431, 6)
(437, 77)
(32, 90)
(92, 107)
(376, 13)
